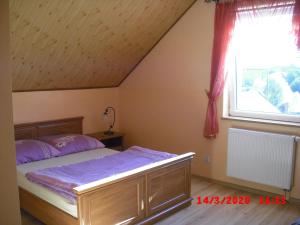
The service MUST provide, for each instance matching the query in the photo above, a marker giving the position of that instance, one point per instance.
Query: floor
(225, 214)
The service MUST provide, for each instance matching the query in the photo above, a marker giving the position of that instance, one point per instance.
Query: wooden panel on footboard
(119, 203)
(168, 186)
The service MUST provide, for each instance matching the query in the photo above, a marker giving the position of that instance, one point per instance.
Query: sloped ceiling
(71, 44)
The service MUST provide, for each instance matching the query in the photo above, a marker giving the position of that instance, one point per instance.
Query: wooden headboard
(51, 127)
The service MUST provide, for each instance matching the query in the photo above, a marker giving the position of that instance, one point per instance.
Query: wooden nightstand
(114, 141)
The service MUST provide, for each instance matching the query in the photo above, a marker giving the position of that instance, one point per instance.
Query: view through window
(266, 75)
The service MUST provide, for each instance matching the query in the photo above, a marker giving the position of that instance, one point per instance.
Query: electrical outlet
(206, 159)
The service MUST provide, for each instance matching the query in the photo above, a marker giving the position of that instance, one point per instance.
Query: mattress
(47, 195)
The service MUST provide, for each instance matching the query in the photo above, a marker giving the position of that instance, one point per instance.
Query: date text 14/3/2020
(240, 200)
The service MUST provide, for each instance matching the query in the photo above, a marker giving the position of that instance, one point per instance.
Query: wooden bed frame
(141, 196)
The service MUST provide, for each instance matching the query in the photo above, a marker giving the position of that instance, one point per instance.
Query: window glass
(266, 63)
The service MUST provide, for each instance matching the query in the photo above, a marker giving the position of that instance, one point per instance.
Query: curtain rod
(209, 1)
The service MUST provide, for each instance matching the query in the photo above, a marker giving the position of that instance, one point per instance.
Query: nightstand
(114, 141)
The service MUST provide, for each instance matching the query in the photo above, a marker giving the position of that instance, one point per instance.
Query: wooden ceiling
(71, 44)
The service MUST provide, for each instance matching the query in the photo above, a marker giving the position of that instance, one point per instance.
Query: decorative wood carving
(84, 44)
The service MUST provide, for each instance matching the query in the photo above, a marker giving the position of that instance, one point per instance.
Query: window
(264, 67)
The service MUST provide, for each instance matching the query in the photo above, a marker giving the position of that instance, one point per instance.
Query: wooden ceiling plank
(84, 44)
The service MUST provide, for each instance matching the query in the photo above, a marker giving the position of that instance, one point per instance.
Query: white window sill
(254, 120)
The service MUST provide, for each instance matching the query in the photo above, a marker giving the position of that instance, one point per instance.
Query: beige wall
(163, 102)
(9, 207)
(46, 105)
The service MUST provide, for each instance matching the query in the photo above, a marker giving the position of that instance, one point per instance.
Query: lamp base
(109, 132)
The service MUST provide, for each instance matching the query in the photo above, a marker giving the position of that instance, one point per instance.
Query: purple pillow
(29, 150)
(72, 143)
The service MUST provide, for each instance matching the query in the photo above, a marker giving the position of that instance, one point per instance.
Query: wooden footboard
(141, 196)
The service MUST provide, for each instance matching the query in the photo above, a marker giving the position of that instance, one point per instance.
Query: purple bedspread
(62, 179)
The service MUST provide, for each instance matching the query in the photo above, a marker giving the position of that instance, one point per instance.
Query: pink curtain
(224, 24)
(296, 22)
(226, 14)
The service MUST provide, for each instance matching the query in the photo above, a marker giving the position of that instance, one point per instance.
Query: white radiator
(261, 157)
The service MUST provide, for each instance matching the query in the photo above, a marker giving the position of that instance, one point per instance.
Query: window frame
(234, 112)
(230, 99)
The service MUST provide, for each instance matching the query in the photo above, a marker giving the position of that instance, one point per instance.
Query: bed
(140, 196)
